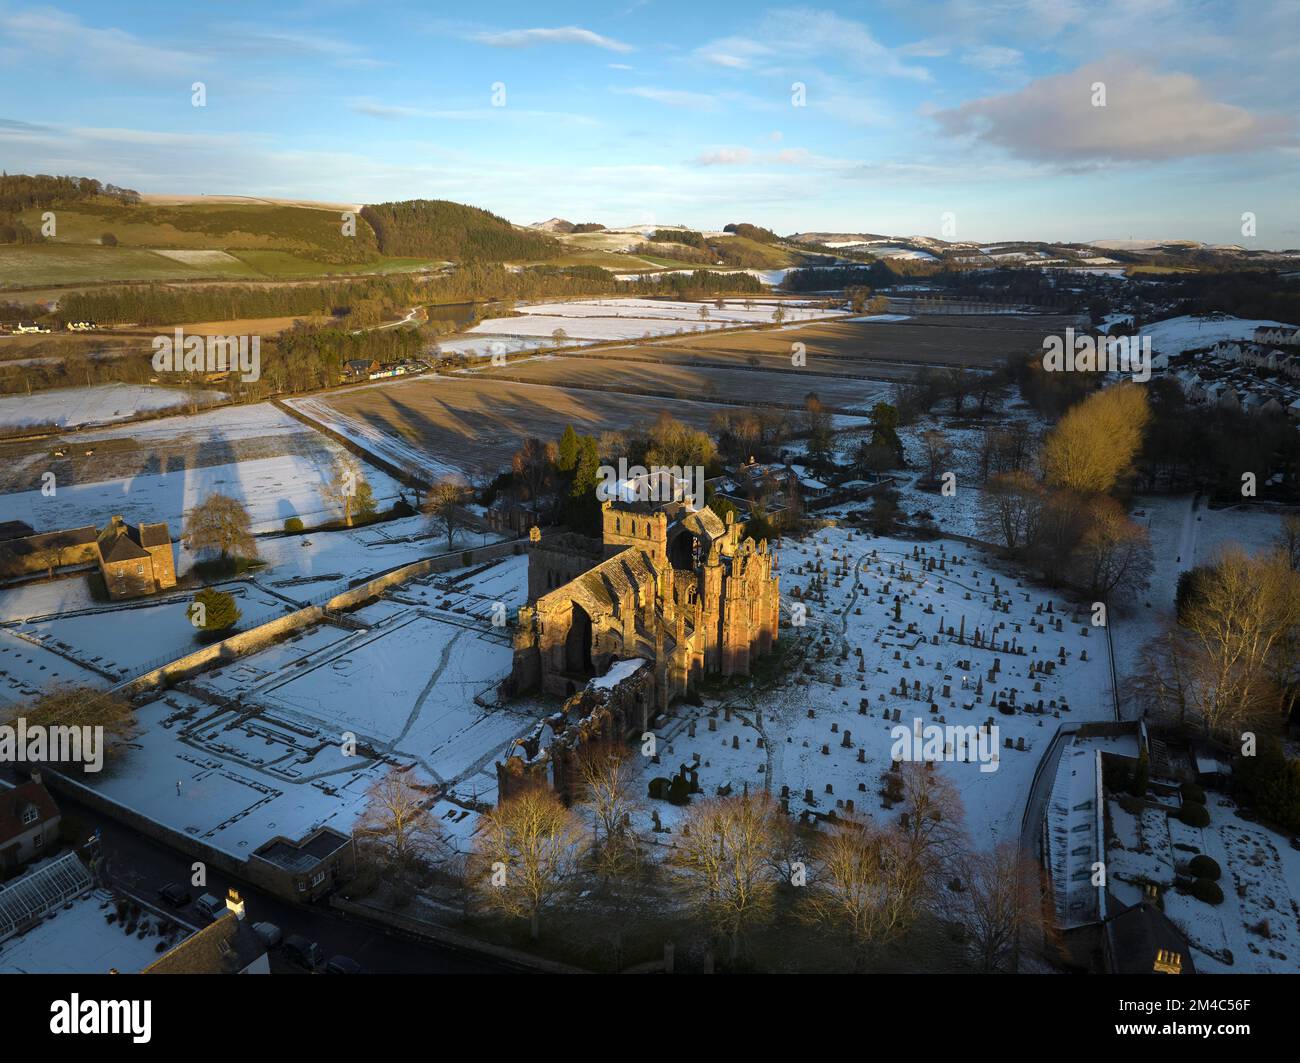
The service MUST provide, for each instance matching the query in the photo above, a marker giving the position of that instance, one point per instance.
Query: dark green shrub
(293, 525)
(1195, 815)
(1205, 890)
(1192, 792)
(1205, 867)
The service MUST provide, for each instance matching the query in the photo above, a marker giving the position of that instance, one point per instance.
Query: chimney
(235, 903)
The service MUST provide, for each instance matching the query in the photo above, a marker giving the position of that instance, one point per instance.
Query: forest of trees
(438, 228)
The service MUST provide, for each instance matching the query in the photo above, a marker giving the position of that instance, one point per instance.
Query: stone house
(135, 560)
(29, 823)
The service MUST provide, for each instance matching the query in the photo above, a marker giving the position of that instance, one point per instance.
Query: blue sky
(635, 111)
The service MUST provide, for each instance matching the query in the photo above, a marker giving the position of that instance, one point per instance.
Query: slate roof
(1136, 934)
(121, 541)
(226, 946)
(12, 803)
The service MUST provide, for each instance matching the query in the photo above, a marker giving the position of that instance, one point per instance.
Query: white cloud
(992, 57)
(1148, 115)
(556, 35)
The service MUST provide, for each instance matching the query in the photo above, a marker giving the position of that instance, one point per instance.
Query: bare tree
(49, 553)
(1289, 539)
(1010, 508)
(397, 822)
(1000, 905)
(221, 523)
(1229, 663)
(528, 850)
(865, 885)
(938, 450)
(931, 817)
(80, 707)
(347, 489)
(608, 788)
(727, 860)
(443, 504)
(1092, 448)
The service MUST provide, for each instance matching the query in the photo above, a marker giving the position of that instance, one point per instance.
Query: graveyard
(888, 636)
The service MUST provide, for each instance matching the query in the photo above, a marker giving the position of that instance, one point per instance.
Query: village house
(135, 560)
(29, 823)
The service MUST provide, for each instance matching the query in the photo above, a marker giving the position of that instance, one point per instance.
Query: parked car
(209, 906)
(343, 965)
(175, 894)
(269, 933)
(302, 952)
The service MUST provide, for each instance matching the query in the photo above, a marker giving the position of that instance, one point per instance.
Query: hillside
(442, 229)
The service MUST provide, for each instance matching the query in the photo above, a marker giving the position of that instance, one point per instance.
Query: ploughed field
(881, 349)
(775, 385)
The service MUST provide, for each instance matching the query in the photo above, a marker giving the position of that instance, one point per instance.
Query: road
(139, 865)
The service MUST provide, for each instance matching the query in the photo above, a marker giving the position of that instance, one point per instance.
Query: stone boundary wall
(245, 642)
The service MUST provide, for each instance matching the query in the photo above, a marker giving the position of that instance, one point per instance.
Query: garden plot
(128, 639)
(1257, 927)
(959, 644)
(79, 938)
(97, 404)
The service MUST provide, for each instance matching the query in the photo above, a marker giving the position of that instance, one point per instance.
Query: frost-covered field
(98, 404)
(426, 650)
(596, 320)
(1177, 334)
(273, 489)
(813, 731)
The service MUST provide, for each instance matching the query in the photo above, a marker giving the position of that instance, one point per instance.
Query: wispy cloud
(556, 35)
(49, 35)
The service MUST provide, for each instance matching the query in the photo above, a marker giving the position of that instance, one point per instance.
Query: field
(882, 347)
(473, 424)
(99, 404)
(743, 385)
(157, 470)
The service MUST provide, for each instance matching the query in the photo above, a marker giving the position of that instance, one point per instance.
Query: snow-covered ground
(1177, 334)
(427, 650)
(273, 489)
(98, 404)
(597, 320)
(813, 732)
(1257, 927)
(78, 937)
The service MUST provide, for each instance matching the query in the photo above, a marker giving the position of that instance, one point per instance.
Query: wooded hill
(438, 228)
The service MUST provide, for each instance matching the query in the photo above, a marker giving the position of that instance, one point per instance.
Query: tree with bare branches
(444, 506)
(396, 821)
(864, 884)
(1114, 552)
(221, 523)
(1229, 663)
(348, 491)
(608, 784)
(528, 851)
(727, 861)
(1093, 447)
(1010, 510)
(999, 903)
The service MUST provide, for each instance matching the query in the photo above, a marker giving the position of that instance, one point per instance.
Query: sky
(977, 120)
